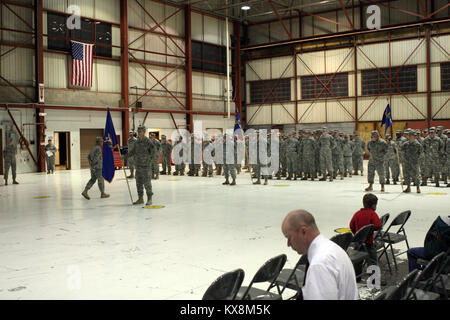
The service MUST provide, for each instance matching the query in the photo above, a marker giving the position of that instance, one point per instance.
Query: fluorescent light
(245, 8)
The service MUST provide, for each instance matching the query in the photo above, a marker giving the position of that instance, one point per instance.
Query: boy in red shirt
(364, 217)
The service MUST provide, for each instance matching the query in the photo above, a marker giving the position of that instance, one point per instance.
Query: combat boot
(345, 175)
(350, 174)
(48, 171)
(331, 178)
(407, 190)
(204, 174)
(387, 181)
(448, 186)
(104, 195)
(149, 200)
(139, 201)
(395, 181)
(233, 183)
(265, 181)
(226, 182)
(196, 173)
(342, 176)
(162, 173)
(278, 176)
(175, 173)
(6, 182)
(15, 182)
(324, 178)
(304, 178)
(370, 187)
(257, 181)
(355, 173)
(157, 177)
(424, 183)
(362, 173)
(437, 183)
(210, 175)
(312, 178)
(131, 176)
(289, 177)
(295, 177)
(418, 189)
(382, 188)
(85, 194)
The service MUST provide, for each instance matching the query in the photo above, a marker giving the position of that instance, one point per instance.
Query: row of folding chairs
(431, 283)
(228, 286)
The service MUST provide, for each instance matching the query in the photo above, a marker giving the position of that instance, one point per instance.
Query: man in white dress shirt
(329, 274)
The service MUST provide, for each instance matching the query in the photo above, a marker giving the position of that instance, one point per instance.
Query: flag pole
(126, 178)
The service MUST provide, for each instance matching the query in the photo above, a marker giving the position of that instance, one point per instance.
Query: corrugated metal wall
(412, 106)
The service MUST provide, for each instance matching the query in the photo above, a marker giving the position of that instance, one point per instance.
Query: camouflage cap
(432, 129)
(356, 133)
(324, 128)
(398, 131)
(425, 130)
(439, 128)
(98, 139)
(388, 136)
(141, 128)
(374, 134)
(131, 131)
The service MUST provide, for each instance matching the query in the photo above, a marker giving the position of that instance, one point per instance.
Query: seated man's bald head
(297, 218)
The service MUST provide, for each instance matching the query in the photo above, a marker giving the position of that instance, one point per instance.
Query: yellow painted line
(281, 185)
(437, 194)
(42, 197)
(342, 230)
(174, 180)
(154, 207)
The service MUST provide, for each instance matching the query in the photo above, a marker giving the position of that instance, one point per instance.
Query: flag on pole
(387, 118)
(82, 64)
(109, 143)
(237, 124)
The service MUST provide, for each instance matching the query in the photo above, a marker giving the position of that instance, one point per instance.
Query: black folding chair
(423, 283)
(377, 235)
(400, 291)
(433, 278)
(343, 240)
(292, 278)
(226, 286)
(357, 250)
(267, 273)
(388, 239)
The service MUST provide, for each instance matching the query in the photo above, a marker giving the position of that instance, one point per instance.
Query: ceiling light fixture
(245, 8)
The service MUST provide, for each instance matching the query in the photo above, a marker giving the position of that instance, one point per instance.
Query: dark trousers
(414, 254)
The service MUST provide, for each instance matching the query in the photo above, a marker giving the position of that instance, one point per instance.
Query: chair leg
(387, 258)
(393, 257)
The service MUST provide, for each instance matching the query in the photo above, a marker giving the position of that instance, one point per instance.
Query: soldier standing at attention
(309, 150)
(326, 145)
(347, 148)
(130, 160)
(229, 167)
(166, 151)
(338, 155)
(9, 155)
(422, 162)
(400, 141)
(433, 148)
(391, 161)
(207, 169)
(291, 156)
(317, 134)
(142, 152)
(377, 148)
(179, 168)
(412, 151)
(50, 151)
(443, 137)
(358, 154)
(299, 154)
(95, 159)
(447, 153)
(155, 157)
(283, 159)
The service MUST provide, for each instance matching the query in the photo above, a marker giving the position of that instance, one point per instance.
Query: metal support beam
(124, 60)
(346, 14)
(237, 67)
(39, 65)
(188, 52)
(280, 20)
(428, 54)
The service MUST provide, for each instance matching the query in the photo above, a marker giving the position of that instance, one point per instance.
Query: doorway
(157, 132)
(62, 156)
(87, 142)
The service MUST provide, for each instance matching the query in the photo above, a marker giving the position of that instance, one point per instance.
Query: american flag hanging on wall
(82, 64)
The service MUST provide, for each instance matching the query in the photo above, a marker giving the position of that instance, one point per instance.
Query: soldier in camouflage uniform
(338, 155)
(95, 159)
(317, 134)
(194, 164)
(130, 160)
(443, 137)
(358, 154)
(9, 155)
(377, 148)
(259, 166)
(283, 157)
(143, 152)
(433, 148)
(391, 161)
(400, 140)
(422, 160)
(326, 146)
(229, 159)
(166, 152)
(207, 169)
(179, 168)
(447, 153)
(219, 166)
(412, 151)
(50, 159)
(300, 138)
(347, 148)
(292, 156)
(155, 156)
(309, 151)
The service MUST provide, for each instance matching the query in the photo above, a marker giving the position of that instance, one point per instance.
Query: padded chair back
(401, 219)
(226, 286)
(432, 267)
(384, 218)
(401, 290)
(343, 240)
(271, 269)
(362, 235)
